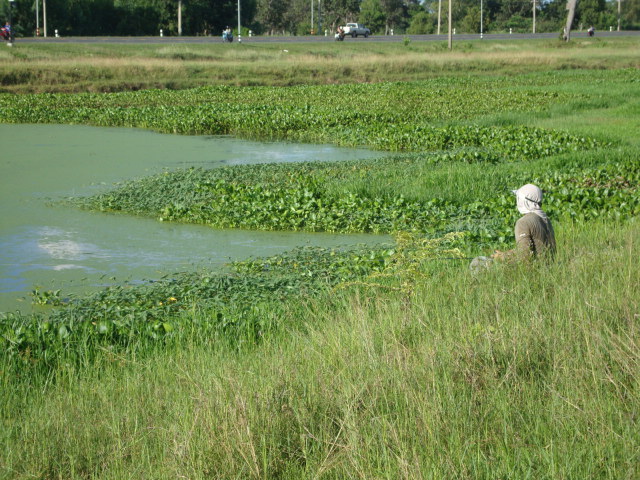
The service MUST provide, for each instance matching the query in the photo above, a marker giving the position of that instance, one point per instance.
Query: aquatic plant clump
(232, 306)
(435, 100)
(388, 132)
(295, 197)
(234, 303)
(393, 117)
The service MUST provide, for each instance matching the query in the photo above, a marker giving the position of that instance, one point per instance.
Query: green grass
(117, 67)
(392, 363)
(524, 372)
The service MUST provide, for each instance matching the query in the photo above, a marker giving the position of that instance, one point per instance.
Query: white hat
(529, 200)
(529, 192)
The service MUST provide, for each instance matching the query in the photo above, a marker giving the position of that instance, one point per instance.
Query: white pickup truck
(355, 29)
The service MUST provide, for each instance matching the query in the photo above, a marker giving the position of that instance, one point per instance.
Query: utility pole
(44, 16)
(571, 7)
(450, 26)
(179, 17)
(239, 31)
(312, 29)
(439, 14)
(481, 20)
(534, 17)
(619, 10)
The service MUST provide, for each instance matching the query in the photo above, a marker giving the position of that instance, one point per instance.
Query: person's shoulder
(531, 217)
(528, 222)
(527, 218)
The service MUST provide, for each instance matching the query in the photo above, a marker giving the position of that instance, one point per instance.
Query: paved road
(329, 38)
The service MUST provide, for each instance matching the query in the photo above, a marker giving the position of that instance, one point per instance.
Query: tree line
(303, 17)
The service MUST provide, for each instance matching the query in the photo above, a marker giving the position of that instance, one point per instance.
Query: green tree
(395, 15)
(335, 12)
(512, 14)
(372, 16)
(298, 17)
(511, 8)
(591, 12)
(271, 15)
(471, 21)
(518, 24)
(553, 15)
(22, 17)
(630, 14)
(142, 17)
(422, 23)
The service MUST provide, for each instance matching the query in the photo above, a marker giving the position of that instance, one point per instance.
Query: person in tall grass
(533, 231)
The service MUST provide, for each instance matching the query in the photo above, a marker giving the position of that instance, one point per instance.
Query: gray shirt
(534, 236)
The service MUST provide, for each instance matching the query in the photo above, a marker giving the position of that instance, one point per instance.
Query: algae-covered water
(46, 246)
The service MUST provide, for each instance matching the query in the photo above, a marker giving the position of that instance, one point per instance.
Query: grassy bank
(29, 68)
(395, 362)
(520, 373)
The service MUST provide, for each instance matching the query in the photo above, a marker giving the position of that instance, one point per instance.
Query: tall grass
(116, 67)
(520, 372)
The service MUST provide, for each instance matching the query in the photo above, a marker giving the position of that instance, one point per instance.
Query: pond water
(51, 247)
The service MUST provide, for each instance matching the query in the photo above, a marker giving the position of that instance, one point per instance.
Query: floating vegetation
(394, 117)
(296, 197)
(434, 122)
(232, 305)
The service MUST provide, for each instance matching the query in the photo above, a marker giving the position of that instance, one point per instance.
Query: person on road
(533, 231)
(227, 34)
(6, 31)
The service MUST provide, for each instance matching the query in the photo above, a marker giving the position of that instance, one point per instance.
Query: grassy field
(106, 68)
(522, 373)
(388, 363)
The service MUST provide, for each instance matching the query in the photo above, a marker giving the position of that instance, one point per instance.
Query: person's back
(534, 236)
(533, 231)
